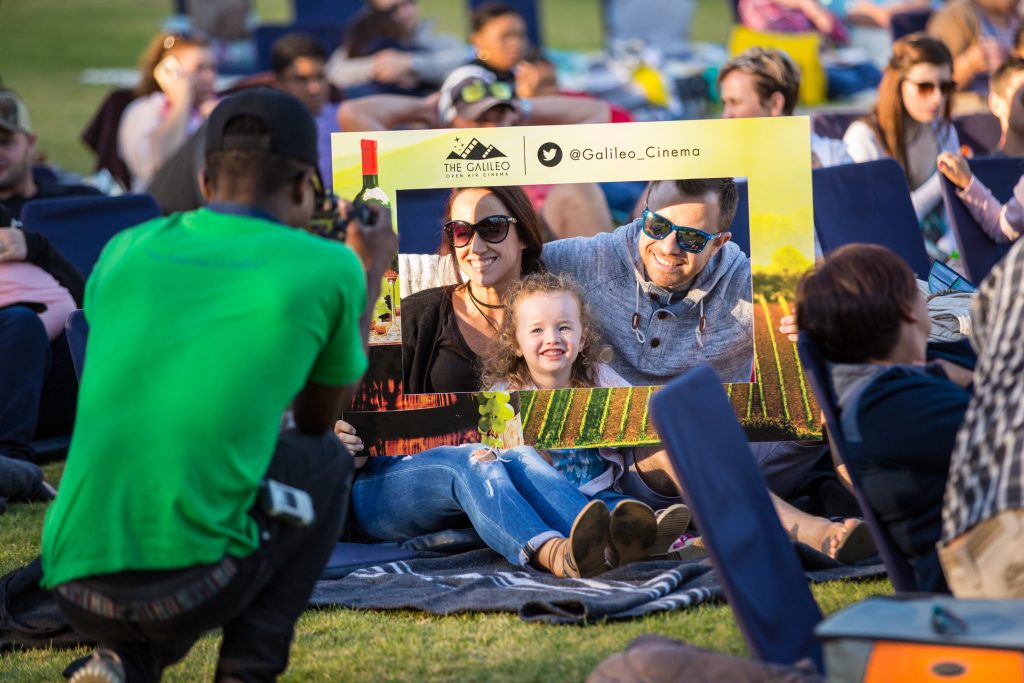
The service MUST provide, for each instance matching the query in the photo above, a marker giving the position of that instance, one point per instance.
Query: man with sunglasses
(185, 506)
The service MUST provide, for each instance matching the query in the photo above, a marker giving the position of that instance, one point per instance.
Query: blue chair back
(329, 33)
(977, 250)
(868, 202)
(981, 132)
(813, 360)
(833, 124)
(420, 213)
(77, 331)
(740, 226)
(529, 11)
(81, 226)
(331, 11)
(905, 23)
(752, 555)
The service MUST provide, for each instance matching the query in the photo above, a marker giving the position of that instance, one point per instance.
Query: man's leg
(655, 472)
(257, 640)
(24, 364)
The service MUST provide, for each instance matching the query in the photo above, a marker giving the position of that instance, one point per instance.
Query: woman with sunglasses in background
(493, 236)
(174, 96)
(912, 124)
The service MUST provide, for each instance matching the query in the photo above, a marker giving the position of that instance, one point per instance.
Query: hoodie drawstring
(635, 322)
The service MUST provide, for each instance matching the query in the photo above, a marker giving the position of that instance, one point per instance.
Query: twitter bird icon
(549, 154)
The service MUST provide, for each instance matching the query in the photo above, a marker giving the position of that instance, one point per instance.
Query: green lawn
(345, 645)
(46, 45)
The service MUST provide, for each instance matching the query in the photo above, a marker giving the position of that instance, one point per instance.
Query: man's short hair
(855, 302)
(724, 189)
(1000, 78)
(773, 71)
(292, 46)
(266, 172)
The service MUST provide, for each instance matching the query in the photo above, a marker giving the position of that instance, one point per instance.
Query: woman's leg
(400, 498)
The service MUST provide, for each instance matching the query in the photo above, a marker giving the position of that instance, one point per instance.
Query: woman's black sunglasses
(493, 229)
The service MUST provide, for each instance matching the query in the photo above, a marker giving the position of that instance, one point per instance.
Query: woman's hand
(955, 167)
(347, 435)
(787, 326)
(12, 245)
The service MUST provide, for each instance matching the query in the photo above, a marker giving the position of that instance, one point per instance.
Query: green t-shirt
(203, 328)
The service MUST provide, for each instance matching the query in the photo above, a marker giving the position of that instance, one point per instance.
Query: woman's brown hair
(159, 47)
(887, 118)
(507, 363)
(527, 226)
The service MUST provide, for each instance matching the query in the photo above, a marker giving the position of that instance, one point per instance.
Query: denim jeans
(258, 608)
(516, 501)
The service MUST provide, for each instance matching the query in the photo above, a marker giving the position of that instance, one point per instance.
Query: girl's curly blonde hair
(507, 364)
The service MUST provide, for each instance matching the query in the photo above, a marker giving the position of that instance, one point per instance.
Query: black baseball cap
(293, 132)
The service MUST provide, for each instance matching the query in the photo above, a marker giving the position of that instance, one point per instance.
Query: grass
(46, 45)
(348, 645)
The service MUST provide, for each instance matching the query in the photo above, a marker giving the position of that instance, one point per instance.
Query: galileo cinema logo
(475, 159)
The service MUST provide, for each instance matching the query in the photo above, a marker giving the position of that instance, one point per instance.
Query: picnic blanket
(482, 581)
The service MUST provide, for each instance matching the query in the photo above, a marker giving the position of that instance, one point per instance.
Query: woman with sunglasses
(493, 237)
(175, 95)
(912, 124)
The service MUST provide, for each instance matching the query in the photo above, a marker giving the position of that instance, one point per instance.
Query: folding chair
(331, 11)
(419, 218)
(530, 13)
(833, 124)
(977, 250)
(740, 226)
(981, 132)
(816, 367)
(81, 226)
(905, 23)
(751, 553)
(77, 331)
(329, 32)
(868, 202)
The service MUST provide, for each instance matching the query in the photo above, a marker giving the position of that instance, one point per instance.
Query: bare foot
(848, 541)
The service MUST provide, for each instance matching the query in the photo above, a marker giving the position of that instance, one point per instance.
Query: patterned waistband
(167, 607)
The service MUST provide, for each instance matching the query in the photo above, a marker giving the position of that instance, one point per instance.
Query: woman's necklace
(477, 304)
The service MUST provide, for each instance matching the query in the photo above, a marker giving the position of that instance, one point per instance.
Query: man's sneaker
(672, 522)
(103, 667)
(688, 547)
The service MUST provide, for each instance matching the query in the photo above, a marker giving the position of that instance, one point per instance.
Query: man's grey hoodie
(669, 338)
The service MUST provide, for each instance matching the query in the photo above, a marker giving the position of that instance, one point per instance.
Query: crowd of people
(249, 476)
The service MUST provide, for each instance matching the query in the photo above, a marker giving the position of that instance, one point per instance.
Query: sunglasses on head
(925, 88)
(478, 90)
(689, 239)
(493, 229)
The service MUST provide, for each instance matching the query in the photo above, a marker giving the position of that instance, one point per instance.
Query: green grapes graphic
(495, 412)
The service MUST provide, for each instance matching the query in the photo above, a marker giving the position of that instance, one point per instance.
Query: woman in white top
(175, 94)
(911, 123)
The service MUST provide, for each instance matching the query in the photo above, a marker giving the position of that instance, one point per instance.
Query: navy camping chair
(419, 217)
(529, 11)
(80, 226)
(981, 132)
(977, 250)
(752, 555)
(77, 331)
(905, 23)
(833, 124)
(868, 202)
(331, 11)
(813, 360)
(329, 33)
(740, 226)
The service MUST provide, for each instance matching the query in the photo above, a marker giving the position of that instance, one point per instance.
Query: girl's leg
(543, 487)
(400, 498)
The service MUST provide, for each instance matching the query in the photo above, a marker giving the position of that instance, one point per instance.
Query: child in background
(547, 341)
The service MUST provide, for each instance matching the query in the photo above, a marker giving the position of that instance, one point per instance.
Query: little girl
(547, 341)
